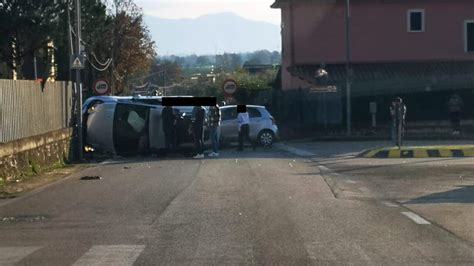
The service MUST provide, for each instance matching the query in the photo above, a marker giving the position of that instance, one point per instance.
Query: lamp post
(348, 68)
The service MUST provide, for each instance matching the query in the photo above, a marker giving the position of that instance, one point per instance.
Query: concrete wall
(33, 154)
(314, 32)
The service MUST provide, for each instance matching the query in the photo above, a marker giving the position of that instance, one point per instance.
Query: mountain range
(212, 34)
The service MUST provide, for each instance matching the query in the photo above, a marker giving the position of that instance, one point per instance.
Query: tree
(228, 62)
(203, 61)
(165, 73)
(26, 28)
(132, 48)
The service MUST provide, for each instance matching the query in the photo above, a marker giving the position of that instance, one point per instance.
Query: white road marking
(294, 150)
(12, 255)
(111, 255)
(415, 217)
(323, 168)
(351, 181)
(390, 204)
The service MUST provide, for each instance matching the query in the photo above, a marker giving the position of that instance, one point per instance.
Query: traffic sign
(101, 87)
(229, 86)
(77, 62)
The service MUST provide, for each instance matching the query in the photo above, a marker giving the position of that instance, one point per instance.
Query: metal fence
(26, 110)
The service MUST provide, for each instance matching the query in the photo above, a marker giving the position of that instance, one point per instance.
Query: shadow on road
(463, 194)
(248, 153)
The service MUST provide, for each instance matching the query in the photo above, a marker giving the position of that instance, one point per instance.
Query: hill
(212, 34)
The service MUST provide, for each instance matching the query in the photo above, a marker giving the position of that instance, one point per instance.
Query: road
(271, 206)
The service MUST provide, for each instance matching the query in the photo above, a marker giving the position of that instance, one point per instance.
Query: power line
(97, 68)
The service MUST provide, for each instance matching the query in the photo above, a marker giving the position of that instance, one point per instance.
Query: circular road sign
(101, 87)
(229, 86)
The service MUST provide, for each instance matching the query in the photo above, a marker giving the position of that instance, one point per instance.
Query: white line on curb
(415, 217)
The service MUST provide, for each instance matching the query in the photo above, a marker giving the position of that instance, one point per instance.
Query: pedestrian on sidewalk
(169, 128)
(244, 127)
(214, 119)
(455, 105)
(398, 112)
(198, 128)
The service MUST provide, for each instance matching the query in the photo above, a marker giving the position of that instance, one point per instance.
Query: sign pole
(348, 70)
(78, 85)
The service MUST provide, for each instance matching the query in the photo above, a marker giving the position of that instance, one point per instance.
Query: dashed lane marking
(390, 204)
(416, 218)
(12, 255)
(111, 255)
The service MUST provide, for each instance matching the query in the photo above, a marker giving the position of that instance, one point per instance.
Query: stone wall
(33, 154)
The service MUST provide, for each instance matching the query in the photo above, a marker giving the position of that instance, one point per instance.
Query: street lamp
(348, 69)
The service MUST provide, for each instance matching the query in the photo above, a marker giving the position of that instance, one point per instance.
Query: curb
(458, 151)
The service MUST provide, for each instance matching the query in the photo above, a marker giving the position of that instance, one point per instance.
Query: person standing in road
(244, 127)
(198, 127)
(214, 119)
(169, 128)
(455, 105)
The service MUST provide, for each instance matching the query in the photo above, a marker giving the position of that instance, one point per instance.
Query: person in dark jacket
(198, 127)
(214, 119)
(169, 128)
(455, 105)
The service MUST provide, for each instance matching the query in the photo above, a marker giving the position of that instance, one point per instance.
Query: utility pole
(348, 69)
(78, 85)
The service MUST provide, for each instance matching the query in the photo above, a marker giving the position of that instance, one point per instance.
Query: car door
(255, 121)
(229, 127)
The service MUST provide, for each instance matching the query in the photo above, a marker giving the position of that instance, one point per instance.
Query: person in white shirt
(243, 126)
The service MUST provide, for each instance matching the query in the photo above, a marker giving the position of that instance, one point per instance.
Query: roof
(386, 76)
(278, 3)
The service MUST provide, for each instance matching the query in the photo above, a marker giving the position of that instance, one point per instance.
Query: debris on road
(91, 178)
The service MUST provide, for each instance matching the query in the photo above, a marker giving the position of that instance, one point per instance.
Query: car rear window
(229, 113)
(253, 112)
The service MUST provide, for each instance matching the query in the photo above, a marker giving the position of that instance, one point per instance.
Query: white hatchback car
(263, 128)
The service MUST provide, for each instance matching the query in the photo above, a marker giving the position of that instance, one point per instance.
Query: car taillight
(273, 121)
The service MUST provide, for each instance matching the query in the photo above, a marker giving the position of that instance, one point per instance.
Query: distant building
(390, 40)
(397, 47)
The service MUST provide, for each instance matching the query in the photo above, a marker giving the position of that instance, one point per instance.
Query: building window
(416, 20)
(469, 35)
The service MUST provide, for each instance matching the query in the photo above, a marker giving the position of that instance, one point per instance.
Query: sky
(173, 9)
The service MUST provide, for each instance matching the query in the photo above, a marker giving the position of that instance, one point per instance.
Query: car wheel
(266, 138)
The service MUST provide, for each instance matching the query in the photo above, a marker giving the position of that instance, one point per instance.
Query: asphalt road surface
(264, 207)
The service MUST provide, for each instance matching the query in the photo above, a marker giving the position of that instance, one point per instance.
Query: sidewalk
(353, 148)
(441, 190)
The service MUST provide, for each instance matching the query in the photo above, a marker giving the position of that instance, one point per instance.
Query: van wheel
(266, 138)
